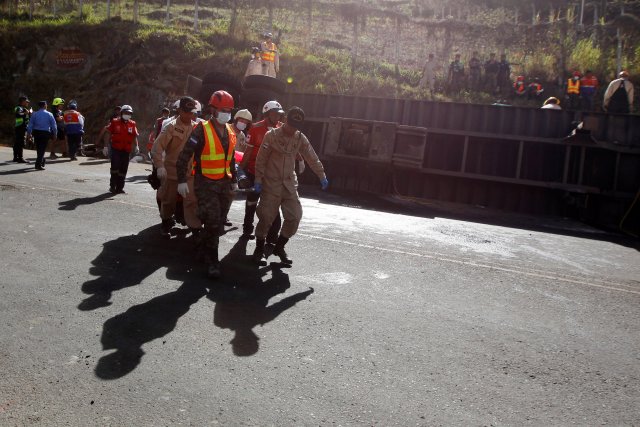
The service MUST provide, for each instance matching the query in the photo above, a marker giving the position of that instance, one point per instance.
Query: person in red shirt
(588, 89)
(124, 136)
(272, 112)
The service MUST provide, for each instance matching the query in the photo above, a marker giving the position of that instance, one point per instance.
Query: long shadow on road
(241, 296)
(70, 205)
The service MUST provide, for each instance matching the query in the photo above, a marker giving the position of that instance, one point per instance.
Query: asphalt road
(394, 313)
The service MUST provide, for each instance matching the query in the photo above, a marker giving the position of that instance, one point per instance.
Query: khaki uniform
(164, 153)
(275, 170)
(254, 67)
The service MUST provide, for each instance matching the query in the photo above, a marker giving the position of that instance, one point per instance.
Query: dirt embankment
(101, 66)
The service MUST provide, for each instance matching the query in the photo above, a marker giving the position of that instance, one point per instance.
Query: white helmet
(126, 108)
(198, 107)
(243, 114)
(176, 105)
(272, 105)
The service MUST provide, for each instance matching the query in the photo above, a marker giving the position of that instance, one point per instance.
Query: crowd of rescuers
(494, 76)
(202, 164)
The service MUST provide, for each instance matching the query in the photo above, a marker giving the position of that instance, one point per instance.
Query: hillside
(370, 48)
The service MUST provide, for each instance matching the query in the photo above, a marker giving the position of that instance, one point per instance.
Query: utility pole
(581, 12)
(619, 49)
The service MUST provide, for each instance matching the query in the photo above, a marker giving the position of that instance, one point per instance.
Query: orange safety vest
(573, 87)
(214, 163)
(269, 55)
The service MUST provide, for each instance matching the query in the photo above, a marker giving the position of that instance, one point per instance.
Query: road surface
(395, 312)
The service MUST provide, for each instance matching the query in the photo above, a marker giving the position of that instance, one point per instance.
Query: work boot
(258, 253)
(165, 228)
(227, 223)
(53, 155)
(280, 252)
(247, 232)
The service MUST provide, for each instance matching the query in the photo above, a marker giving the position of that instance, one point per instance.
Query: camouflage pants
(214, 201)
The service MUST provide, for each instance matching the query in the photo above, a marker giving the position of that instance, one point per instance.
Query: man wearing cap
(43, 127)
(270, 56)
(618, 97)
(59, 142)
(22, 113)
(277, 183)
(74, 128)
(124, 136)
(164, 154)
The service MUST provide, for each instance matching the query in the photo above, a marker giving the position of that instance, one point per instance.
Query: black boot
(213, 266)
(280, 252)
(165, 228)
(258, 253)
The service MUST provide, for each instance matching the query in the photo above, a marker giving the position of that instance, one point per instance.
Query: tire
(254, 99)
(264, 82)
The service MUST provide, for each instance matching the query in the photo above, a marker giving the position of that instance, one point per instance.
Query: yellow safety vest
(270, 55)
(214, 164)
(573, 87)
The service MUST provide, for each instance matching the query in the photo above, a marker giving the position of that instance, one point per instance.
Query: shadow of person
(70, 205)
(128, 260)
(242, 301)
(128, 331)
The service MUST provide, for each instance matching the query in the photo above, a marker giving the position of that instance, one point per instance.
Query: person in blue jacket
(42, 126)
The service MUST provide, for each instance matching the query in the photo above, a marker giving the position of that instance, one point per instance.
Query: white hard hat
(198, 107)
(126, 108)
(176, 105)
(272, 105)
(243, 114)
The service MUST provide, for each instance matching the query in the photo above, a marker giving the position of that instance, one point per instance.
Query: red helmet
(221, 99)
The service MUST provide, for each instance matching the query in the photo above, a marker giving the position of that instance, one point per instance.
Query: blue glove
(257, 188)
(324, 183)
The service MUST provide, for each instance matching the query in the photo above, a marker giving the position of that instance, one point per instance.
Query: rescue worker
(22, 114)
(74, 128)
(241, 125)
(211, 145)
(255, 63)
(164, 155)
(534, 90)
(474, 71)
(618, 98)
(58, 141)
(588, 88)
(124, 137)
(573, 91)
(270, 56)
(519, 87)
(503, 77)
(456, 74)
(428, 80)
(491, 68)
(156, 128)
(271, 112)
(277, 183)
(42, 126)
(101, 142)
(551, 103)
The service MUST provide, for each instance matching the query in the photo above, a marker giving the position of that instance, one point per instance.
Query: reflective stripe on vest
(269, 55)
(573, 86)
(19, 120)
(214, 163)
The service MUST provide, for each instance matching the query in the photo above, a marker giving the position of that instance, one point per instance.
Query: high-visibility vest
(73, 122)
(214, 163)
(269, 55)
(573, 86)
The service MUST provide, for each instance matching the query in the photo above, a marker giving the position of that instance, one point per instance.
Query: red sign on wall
(71, 57)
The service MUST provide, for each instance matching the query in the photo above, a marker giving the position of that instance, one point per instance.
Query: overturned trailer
(583, 165)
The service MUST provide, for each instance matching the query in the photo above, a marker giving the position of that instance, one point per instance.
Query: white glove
(162, 173)
(301, 166)
(183, 189)
(105, 151)
(234, 186)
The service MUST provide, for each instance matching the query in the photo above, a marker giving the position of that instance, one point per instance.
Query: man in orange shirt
(272, 113)
(124, 134)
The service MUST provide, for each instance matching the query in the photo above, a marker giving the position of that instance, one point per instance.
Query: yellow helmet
(57, 101)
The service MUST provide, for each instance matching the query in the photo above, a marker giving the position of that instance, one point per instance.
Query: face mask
(126, 117)
(223, 118)
(241, 126)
